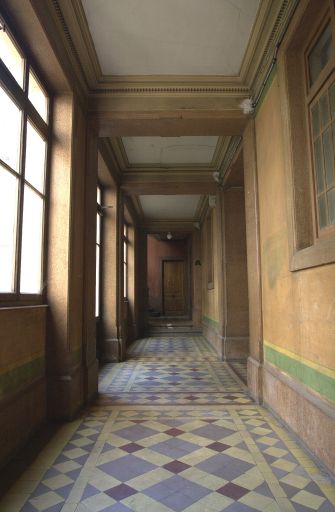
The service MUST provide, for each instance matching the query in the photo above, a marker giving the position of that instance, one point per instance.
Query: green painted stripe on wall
(210, 322)
(312, 378)
(20, 375)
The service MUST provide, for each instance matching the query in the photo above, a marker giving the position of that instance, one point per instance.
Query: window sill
(12, 300)
(21, 306)
(322, 253)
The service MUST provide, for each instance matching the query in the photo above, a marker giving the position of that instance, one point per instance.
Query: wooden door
(174, 293)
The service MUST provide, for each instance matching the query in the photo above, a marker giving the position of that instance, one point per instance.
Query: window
(23, 157)
(98, 254)
(321, 109)
(125, 260)
(306, 69)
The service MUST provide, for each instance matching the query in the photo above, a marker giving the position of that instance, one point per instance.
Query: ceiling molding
(130, 206)
(232, 150)
(267, 31)
(200, 214)
(138, 208)
(107, 154)
(272, 31)
(120, 154)
(59, 31)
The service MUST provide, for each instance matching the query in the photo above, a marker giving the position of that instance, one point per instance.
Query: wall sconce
(169, 235)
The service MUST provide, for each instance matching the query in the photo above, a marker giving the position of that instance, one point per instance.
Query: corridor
(172, 430)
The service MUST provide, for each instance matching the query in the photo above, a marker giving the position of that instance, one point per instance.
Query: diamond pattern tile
(173, 430)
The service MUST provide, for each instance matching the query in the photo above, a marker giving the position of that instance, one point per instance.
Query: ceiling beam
(164, 226)
(170, 123)
(162, 187)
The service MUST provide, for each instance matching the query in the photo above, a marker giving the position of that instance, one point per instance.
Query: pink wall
(158, 250)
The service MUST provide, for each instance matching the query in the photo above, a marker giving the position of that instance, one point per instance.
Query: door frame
(187, 280)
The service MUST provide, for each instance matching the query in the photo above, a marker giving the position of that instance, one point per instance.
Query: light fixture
(247, 106)
(216, 176)
(169, 235)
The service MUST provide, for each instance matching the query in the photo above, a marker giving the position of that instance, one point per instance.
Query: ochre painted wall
(298, 307)
(210, 296)
(156, 251)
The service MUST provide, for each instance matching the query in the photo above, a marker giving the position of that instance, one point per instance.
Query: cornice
(269, 27)
(271, 33)
(56, 26)
(126, 88)
(124, 167)
(232, 149)
(109, 157)
(202, 209)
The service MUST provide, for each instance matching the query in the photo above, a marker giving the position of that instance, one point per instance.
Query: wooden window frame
(313, 94)
(125, 244)
(19, 96)
(209, 251)
(307, 248)
(98, 244)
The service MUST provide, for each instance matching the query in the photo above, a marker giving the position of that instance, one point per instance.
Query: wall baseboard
(65, 394)
(21, 417)
(214, 339)
(255, 379)
(304, 412)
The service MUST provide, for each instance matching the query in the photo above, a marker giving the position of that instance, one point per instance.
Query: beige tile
(295, 480)
(46, 500)
(308, 499)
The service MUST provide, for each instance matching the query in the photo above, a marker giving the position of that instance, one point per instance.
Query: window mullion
(20, 202)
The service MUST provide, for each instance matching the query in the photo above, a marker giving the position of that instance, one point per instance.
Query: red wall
(158, 250)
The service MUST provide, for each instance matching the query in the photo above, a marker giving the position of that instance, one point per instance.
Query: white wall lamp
(169, 236)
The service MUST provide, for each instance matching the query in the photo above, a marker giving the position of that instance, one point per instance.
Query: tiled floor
(172, 431)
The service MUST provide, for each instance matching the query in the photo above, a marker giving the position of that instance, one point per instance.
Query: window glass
(8, 217)
(323, 133)
(97, 281)
(35, 158)
(328, 157)
(11, 57)
(98, 228)
(37, 96)
(10, 131)
(322, 211)
(32, 232)
(318, 166)
(331, 205)
(320, 54)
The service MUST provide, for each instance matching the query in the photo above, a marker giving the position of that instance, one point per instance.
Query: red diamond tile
(233, 491)
(120, 492)
(131, 447)
(176, 466)
(218, 447)
(174, 432)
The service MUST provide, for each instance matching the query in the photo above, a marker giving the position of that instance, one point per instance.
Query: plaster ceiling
(169, 150)
(170, 37)
(169, 207)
